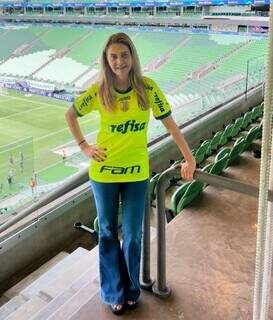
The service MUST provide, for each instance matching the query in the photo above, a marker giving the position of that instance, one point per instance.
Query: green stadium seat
(252, 135)
(226, 134)
(192, 191)
(256, 113)
(221, 161)
(176, 177)
(236, 150)
(207, 169)
(259, 136)
(96, 224)
(215, 141)
(261, 109)
(247, 119)
(177, 196)
(237, 126)
(207, 143)
(177, 162)
(181, 197)
(201, 153)
(152, 186)
(233, 152)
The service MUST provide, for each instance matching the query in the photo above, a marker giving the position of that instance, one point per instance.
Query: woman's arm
(188, 167)
(91, 151)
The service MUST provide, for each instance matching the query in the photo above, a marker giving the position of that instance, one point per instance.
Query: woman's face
(120, 60)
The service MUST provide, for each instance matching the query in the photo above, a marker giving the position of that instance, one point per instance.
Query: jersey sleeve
(159, 104)
(86, 102)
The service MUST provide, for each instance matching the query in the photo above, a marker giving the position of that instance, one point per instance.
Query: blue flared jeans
(119, 265)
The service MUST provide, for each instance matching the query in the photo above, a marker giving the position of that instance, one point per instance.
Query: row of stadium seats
(182, 62)
(190, 190)
(186, 193)
(220, 138)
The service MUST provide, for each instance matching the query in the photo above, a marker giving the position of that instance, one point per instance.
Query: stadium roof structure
(183, 3)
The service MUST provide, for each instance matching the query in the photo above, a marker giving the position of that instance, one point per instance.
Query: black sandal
(117, 309)
(131, 304)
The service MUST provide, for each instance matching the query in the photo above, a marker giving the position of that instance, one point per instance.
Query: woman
(119, 169)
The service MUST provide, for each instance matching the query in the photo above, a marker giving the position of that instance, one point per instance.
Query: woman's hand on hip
(187, 169)
(93, 152)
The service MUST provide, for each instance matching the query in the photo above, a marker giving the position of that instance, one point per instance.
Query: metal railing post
(160, 288)
(146, 282)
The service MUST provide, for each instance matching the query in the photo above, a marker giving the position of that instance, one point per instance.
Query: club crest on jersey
(124, 103)
(128, 126)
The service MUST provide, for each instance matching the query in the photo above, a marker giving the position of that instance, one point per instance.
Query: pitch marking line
(5, 100)
(37, 102)
(61, 130)
(19, 113)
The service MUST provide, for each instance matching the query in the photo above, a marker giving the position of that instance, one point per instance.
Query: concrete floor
(210, 258)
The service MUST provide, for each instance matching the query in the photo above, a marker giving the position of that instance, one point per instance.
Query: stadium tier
(196, 71)
(172, 58)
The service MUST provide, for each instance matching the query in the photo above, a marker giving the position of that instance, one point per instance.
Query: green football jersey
(123, 132)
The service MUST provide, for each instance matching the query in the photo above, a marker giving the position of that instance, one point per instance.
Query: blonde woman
(119, 168)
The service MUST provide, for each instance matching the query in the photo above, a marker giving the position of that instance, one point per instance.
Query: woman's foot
(131, 304)
(117, 308)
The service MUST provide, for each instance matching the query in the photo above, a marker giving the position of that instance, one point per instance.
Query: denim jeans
(119, 265)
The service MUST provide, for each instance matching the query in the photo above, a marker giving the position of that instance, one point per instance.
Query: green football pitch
(42, 121)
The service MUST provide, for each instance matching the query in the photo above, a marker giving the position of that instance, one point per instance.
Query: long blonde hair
(106, 79)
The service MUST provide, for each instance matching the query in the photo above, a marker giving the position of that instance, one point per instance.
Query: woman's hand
(93, 151)
(187, 169)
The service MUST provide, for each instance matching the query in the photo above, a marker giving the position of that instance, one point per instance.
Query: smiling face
(120, 61)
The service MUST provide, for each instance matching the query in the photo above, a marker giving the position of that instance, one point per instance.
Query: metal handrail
(160, 288)
(146, 282)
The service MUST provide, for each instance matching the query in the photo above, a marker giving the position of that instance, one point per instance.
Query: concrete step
(12, 305)
(3, 300)
(27, 309)
(15, 290)
(64, 300)
(18, 300)
(55, 271)
(75, 308)
(16, 303)
(68, 275)
(91, 309)
(76, 302)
